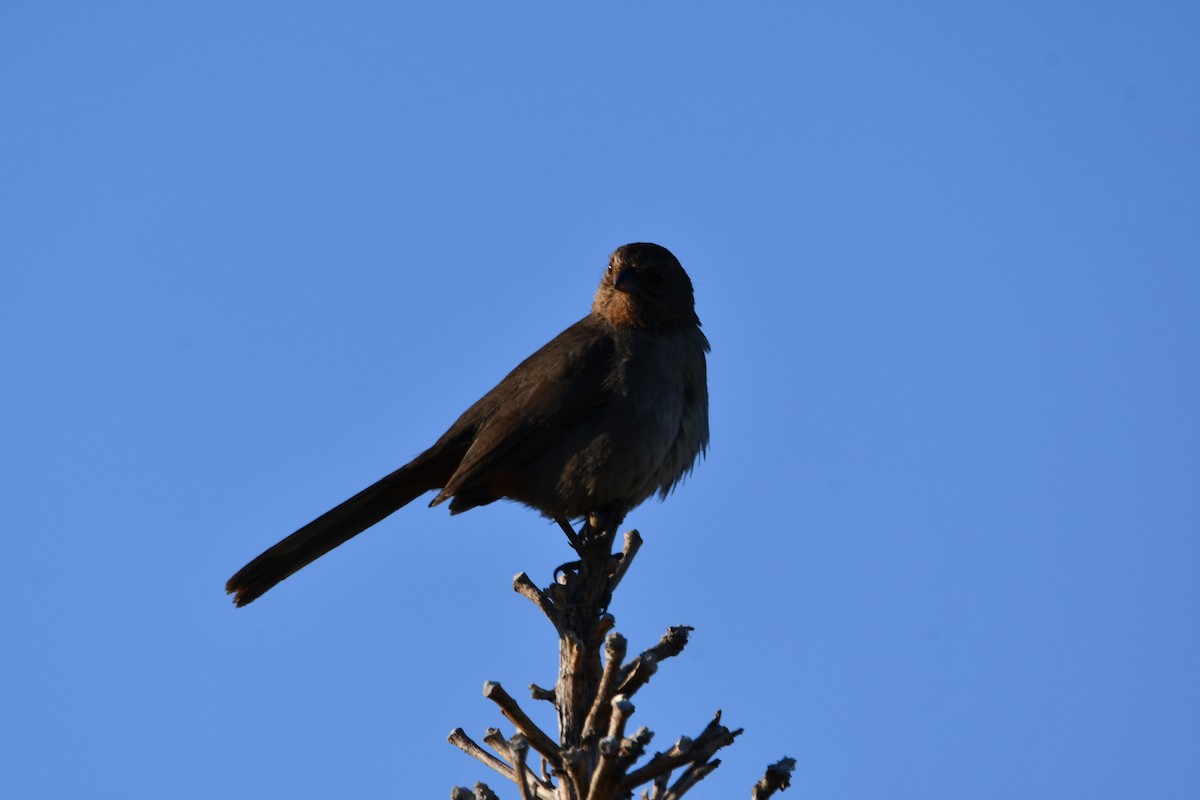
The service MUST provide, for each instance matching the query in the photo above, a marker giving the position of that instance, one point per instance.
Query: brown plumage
(610, 411)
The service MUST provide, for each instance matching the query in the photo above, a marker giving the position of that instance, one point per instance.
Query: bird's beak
(625, 281)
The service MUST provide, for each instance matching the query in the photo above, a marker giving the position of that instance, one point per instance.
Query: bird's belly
(612, 471)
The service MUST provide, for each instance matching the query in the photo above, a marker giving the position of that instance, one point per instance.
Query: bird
(609, 412)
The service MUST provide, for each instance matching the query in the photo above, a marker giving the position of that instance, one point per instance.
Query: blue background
(254, 256)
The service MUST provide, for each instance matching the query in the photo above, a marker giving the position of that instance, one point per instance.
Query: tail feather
(325, 533)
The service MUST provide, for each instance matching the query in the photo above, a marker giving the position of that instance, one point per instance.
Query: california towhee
(612, 410)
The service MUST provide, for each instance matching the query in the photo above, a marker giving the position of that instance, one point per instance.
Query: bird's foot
(599, 531)
(571, 568)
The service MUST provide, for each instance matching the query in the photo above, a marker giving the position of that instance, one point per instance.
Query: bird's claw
(571, 567)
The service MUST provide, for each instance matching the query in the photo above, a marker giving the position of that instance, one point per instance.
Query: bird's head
(645, 286)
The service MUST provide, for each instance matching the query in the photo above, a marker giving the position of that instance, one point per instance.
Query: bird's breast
(655, 422)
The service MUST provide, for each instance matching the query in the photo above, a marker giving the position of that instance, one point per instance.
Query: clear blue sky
(254, 256)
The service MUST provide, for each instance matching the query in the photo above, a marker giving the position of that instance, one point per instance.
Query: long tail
(327, 532)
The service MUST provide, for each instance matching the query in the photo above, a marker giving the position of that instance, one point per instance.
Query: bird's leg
(576, 543)
(569, 530)
(595, 535)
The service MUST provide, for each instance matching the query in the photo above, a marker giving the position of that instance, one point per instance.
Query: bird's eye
(608, 270)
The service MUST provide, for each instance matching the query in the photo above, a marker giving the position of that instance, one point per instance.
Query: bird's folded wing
(547, 396)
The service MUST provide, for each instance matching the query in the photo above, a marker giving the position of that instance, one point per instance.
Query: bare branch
(483, 792)
(685, 751)
(660, 763)
(575, 767)
(543, 790)
(519, 748)
(458, 737)
(538, 693)
(614, 654)
(637, 673)
(633, 543)
(659, 787)
(513, 713)
(622, 711)
(777, 778)
(690, 777)
(603, 625)
(606, 776)
(523, 585)
(671, 644)
(634, 747)
(593, 758)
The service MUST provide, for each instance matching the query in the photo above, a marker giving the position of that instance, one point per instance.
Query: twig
(536, 737)
(690, 777)
(538, 693)
(660, 763)
(519, 747)
(614, 654)
(637, 672)
(524, 586)
(695, 751)
(777, 778)
(634, 747)
(633, 543)
(660, 785)
(458, 738)
(495, 739)
(604, 624)
(575, 767)
(605, 777)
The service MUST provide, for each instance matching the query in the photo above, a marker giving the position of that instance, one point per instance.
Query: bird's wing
(537, 405)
